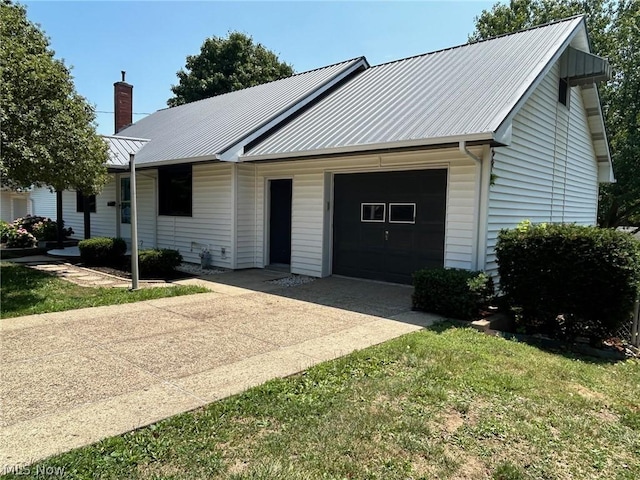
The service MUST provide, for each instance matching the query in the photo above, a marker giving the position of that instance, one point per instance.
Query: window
(125, 200)
(563, 91)
(80, 202)
(402, 213)
(372, 212)
(175, 190)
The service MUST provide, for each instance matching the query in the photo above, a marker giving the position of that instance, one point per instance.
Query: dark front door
(280, 222)
(387, 225)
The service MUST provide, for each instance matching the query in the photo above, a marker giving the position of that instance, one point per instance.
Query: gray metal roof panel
(465, 90)
(121, 147)
(204, 129)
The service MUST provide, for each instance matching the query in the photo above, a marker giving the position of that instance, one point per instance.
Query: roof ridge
(479, 41)
(362, 57)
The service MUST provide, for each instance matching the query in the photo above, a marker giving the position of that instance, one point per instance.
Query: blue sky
(151, 39)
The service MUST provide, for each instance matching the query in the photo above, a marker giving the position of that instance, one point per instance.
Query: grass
(444, 403)
(26, 291)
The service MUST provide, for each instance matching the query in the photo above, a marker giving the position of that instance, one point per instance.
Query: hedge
(158, 262)
(102, 251)
(568, 280)
(452, 292)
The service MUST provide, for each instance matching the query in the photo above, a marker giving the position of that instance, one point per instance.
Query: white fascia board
(120, 137)
(423, 142)
(181, 161)
(230, 154)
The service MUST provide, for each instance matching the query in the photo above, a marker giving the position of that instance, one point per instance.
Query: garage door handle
(386, 234)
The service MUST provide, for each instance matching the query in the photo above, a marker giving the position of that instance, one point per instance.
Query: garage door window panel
(373, 212)
(402, 213)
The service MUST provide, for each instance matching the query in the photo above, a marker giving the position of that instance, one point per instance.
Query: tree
(48, 130)
(614, 32)
(224, 65)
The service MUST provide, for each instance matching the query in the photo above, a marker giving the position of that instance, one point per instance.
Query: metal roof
(206, 129)
(464, 92)
(120, 148)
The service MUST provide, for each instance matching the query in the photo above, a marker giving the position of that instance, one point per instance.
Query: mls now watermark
(37, 470)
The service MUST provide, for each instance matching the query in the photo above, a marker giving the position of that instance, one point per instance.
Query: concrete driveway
(69, 379)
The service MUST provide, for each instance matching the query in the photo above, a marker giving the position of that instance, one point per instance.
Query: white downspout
(462, 145)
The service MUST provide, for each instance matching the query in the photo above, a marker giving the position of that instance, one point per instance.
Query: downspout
(462, 145)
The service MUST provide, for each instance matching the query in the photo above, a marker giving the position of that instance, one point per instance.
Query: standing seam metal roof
(460, 91)
(207, 127)
(120, 148)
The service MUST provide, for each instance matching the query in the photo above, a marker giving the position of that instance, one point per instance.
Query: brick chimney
(123, 103)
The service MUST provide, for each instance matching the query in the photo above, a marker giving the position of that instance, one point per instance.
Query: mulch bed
(124, 272)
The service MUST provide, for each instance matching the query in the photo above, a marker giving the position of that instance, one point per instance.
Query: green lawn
(26, 291)
(440, 403)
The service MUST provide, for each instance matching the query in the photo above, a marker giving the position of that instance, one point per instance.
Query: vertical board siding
(549, 172)
(210, 223)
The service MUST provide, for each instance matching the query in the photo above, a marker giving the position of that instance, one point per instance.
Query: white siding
(210, 225)
(146, 192)
(103, 221)
(549, 172)
(311, 204)
(460, 224)
(43, 202)
(6, 213)
(246, 216)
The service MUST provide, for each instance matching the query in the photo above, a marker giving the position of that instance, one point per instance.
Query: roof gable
(207, 129)
(468, 92)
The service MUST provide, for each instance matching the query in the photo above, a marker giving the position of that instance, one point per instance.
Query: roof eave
(484, 137)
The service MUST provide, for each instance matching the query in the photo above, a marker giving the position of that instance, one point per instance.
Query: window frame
(403, 204)
(384, 212)
(80, 203)
(122, 203)
(168, 177)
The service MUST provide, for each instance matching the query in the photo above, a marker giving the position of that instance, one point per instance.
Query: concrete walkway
(69, 379)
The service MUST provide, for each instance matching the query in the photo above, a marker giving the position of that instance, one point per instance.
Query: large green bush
(569, 280)
(102, 251)
(158, 262)
(5, 228)
(452, 292)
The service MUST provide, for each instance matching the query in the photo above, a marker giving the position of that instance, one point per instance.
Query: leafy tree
(48, 130)
(224, 65)
(614, 30)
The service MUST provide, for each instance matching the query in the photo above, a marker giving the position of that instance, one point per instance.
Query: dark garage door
(388, 224)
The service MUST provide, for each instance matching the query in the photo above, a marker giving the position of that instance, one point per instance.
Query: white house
(376, 171)
(15, 204)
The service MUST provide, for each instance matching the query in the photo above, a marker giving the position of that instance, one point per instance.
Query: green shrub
(4, 231)
(568, 280)
(43, 228)
(451, 292)
(102, 251)
(158, 262)
(20, 238)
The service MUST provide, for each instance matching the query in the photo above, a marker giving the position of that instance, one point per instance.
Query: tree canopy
(48, 130)
(224, 65)
(614, 31)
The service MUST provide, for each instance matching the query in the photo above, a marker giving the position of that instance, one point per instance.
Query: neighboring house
(33, 201)
(373, 172)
